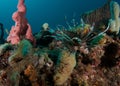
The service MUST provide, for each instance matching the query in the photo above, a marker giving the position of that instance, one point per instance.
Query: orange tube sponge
(32, 74)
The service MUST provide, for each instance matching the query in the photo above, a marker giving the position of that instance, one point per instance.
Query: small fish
(82, 22)
(67, 23)
(7, 32)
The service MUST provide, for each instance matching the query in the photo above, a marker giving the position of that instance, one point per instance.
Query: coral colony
(85, 54)
(22, 29)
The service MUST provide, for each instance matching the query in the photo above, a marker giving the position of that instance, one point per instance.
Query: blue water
(51, 11)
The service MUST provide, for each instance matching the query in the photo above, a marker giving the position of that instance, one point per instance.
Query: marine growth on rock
(84, 54)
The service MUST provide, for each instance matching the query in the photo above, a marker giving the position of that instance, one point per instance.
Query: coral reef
(79, 55)
(22, 28)
(63, 62)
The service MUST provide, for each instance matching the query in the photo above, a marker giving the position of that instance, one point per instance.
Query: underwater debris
(64, 70)
(22, 28)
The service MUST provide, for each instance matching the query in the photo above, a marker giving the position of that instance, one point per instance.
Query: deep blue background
(51, 11)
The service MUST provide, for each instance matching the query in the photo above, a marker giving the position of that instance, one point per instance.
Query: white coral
(115, 20)
(45, 26)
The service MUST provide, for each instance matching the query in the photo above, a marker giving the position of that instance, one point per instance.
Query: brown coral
(32, 74)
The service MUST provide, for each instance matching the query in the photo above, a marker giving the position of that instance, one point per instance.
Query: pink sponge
(22, 29)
